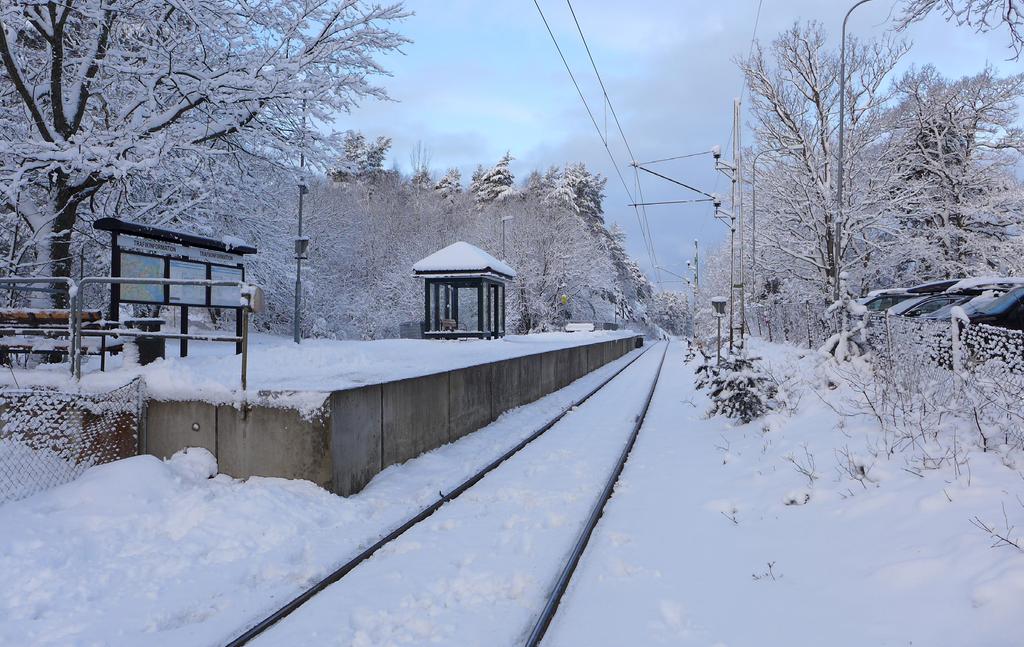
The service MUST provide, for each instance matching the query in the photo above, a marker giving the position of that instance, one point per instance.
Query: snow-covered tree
(794, 103)
(671, 311)
(140, 105)
(955, 148)
(738, 387)
(981, 15)
(581, 190)
(361, 159)
(496, 183)
(449, 184)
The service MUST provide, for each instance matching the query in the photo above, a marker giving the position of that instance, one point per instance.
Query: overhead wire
(604, 140)
(642, 212)
(677, 157)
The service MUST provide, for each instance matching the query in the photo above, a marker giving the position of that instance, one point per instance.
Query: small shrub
(739, 388)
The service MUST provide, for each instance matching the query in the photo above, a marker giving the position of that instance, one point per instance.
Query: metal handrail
(122, 280)
(76, 332)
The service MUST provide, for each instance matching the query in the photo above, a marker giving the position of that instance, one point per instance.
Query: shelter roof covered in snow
(462, 258)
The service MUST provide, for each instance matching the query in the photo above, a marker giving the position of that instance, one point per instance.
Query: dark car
(933, 287)
(938, 302)
(884, 299)
(1004, 311)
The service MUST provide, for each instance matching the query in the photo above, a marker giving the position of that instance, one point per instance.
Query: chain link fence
(50, 436)
(973, 371)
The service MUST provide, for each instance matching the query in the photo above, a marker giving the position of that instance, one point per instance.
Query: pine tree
(738, 388)
(361, 159)
(495, 183)
(449, 184)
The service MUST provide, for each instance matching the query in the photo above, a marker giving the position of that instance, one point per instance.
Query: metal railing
(76, 331)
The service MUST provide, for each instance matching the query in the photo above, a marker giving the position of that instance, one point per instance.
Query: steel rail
(351, 564)
(555, 597)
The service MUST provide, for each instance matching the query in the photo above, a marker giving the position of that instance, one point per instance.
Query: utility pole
(301, 241)
(696, 285)
(738, 160)
(837, 249)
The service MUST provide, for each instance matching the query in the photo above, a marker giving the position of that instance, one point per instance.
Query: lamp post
(301, 242)
(301, 245)
(753, 199)
(718, 305)
(836, 247)
(504, 219)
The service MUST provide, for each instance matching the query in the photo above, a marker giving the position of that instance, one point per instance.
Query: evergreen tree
(495, 183)
(450, 183)
(738, 388)
(361, 159)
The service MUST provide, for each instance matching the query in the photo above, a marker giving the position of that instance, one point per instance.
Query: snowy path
(141, 552)
(895, 563)
(478, 570)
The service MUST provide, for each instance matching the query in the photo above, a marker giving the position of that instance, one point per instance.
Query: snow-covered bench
(579, 327)
(34, 331)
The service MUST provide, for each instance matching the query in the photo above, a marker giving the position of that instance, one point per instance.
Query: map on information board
(194, 295)
(230, 297)
(142, 267)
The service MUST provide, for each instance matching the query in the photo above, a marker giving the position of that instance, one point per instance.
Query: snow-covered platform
(337, 413)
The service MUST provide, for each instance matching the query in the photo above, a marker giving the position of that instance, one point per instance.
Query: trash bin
(150, 348)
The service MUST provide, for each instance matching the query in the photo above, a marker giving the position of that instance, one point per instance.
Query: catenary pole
(738, 159)
(836, 243)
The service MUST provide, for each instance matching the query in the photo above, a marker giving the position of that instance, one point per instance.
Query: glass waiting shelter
(463, 293)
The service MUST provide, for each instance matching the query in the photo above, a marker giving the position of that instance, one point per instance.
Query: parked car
(1005, 310)
(936, 302)
(980, 283)
(879, 300)
(934, 287)
(907, 304)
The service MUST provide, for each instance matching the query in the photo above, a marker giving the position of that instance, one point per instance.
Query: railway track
(558, 589)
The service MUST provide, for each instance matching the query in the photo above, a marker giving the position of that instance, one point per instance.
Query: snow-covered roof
(462, 257)
(985, 281)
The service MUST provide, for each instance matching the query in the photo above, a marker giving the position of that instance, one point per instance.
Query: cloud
(482, 78)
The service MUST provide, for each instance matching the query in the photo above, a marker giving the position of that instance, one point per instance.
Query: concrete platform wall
(359, 432)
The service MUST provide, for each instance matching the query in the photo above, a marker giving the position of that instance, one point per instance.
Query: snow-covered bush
(738, 387)
(848, 341)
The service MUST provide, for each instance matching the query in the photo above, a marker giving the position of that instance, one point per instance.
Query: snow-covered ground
(792, 530)
(714, 537)
(212, 370)
(145, 552)
(476, 572)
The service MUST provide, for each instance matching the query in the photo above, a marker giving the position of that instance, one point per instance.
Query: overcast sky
(482, 77)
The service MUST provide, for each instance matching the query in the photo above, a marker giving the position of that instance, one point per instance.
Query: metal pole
(696, 264)
(503, 256)
(836, 246)
(719, 345)
(696, 284)
(297, 317)
(738, 159)
(753, 217)
(245, 346)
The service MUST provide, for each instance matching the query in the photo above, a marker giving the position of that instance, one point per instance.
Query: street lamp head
(718, 303)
